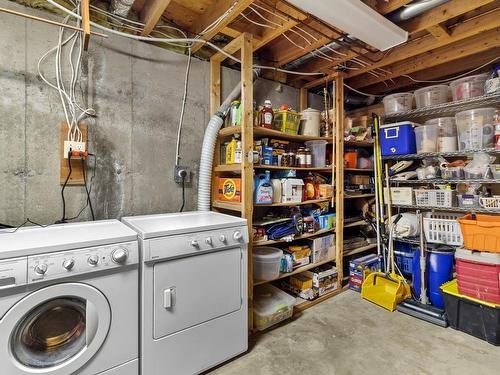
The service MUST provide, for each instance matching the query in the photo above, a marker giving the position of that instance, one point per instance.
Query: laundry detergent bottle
(262, 188)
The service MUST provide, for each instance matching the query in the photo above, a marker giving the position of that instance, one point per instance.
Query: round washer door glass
(51, 333)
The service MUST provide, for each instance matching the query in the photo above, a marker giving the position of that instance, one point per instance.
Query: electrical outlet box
(177, 174)
(74, 146)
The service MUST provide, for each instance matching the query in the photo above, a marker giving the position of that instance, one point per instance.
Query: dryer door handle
(92, 322)
(169, 298)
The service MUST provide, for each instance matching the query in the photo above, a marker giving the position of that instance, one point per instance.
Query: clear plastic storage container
(271, 306)
(475, 128)
(399, 102)
(426, 138)
(495, 170)
(431, 95)
(468, 87)
(318, 150)
(447, 133)
(266, 262)
(468, 200)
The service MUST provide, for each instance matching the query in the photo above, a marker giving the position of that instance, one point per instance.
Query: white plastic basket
(443, 228)
(492, 203)
(434, 198)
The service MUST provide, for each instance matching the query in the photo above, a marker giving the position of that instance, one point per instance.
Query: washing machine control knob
(41, 268)
(208, 241)
(68, 264)
(237, 235)
(119, 255)
(222, 238)
(194, 243)
(93, 260)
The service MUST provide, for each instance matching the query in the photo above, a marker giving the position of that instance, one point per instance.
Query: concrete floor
(347, 335)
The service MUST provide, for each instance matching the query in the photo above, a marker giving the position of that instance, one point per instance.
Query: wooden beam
(231, 48)
(230, 32)
(439, 31)
(85, 23)
(269, 34)
(450, 52)
(441, 14)
(387, 6)
(215, 70)
(151, 14)
(321, 81)
(419, 46)
(214, 12)
(303, 93)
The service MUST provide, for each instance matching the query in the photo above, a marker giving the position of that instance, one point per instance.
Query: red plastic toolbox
(478, 275)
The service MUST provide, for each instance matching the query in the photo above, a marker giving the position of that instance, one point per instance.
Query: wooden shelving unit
(246, 169)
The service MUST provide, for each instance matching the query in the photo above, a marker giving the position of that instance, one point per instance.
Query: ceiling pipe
(121, 7)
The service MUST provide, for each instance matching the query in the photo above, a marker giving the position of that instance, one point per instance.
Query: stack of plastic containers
(446, 133)
(475, 128)
(432, 95)
(468, 87)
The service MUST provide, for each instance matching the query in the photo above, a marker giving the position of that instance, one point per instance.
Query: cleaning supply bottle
(267, 115)
(231, 151)
(263, 189)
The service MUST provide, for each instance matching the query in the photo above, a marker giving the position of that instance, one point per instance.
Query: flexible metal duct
(121, 7)
(414, 9)
(208, 147)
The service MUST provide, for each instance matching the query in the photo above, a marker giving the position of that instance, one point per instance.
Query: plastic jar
(266, 262)
(318, 151)
(431, 95)
(468, 87)
(426, 138)
(475, 128)
(399, 102)
(447, 133)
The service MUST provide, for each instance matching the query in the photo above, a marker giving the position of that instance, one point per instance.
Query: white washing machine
(69, 300)
(193, 290)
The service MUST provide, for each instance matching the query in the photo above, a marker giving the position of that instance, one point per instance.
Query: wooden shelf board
(228, 168)
(357, 170)
(358, 144)
(296, 238)
(294, 272)
(355, 224)
(313, 201)
(260, 131)
(311, 169)
(359, 196)
(232, 206)
(359, 249)
(307, 304)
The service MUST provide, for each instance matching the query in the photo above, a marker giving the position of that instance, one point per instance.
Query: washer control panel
(62, 264)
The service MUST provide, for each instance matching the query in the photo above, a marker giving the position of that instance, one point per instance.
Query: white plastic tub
(468, 87)
(266, 262)
(399, 102)
(318, 151)
(432, 95)
(447, 133)
(426, 138)
(271, 306)
(475, 128)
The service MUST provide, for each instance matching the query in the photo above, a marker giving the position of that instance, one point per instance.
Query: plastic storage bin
(426, 138)
(449, 173)
(434, 198)
(495, 170)
(287, 122)
(400, 102)
(432, 95)
(271, 306)
(481, 232)
(318, 151)
(468, 87)
(403, 253)
(266, 263)
(491, 203)
(351, 159)
(470, 315)
(442, 228)
(475, 128)
(398, 138)
(478, 274)
(468, 200)
(447, 133)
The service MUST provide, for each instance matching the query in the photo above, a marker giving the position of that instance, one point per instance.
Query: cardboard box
(324, 279)
(325, 191)
(291, 190)
(300, 254)
(358, 179)
(360, 268)
(321, 247)
(301, 282)
(400, 195)
(230, 189)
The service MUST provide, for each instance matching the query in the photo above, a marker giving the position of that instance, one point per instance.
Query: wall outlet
(74, 146)
(177, 174)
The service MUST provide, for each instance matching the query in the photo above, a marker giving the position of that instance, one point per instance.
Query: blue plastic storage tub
(398, 138)
(403, 254)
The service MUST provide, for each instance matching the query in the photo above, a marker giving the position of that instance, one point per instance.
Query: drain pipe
(208, 147)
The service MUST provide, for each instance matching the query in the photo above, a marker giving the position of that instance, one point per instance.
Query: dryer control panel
(66, 263)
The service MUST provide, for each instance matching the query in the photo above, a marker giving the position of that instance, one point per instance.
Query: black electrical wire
(63, 218)
(183, 192)
(89, 191)
(89, 202)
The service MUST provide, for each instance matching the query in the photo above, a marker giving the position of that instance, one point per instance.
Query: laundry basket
(481, 232)
(491, 203)
(435, 198)
(442, 228)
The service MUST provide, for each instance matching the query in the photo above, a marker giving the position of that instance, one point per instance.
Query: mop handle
(389, 212)
(423, 260)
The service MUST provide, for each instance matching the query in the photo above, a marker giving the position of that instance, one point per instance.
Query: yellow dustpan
(386, 290)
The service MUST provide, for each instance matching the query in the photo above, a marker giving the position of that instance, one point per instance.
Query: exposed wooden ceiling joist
(151, 14)
(385, 7)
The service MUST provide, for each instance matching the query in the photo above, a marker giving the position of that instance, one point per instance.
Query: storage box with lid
(271, 306)
(361, 267)
(398, 138)
(400, 195)
(322, 248)
(478, 274)
(266, 262)
(324, 279)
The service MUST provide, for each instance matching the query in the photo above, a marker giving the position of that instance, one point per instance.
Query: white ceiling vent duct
(121, 7)
(357, 19)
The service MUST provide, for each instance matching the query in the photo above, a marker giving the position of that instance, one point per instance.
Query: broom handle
(423, 260)
(389, 213)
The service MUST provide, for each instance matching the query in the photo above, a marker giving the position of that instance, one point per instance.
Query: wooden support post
(85, 23)
(303, 98)
(215, 71)
(339, 180)
(247, 147)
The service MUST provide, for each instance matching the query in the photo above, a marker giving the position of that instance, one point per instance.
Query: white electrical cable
(361, 92)
(183, 107)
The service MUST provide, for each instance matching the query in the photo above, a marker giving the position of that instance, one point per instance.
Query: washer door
(55, 330)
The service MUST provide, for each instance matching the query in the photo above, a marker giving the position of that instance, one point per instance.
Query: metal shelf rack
(454, 154)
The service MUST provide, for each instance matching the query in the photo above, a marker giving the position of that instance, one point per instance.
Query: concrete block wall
(136, 90)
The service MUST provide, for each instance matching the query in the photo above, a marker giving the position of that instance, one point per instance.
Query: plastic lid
(397, 94)
(267, 300)
(475, 112)
(414, 124)
(477, 77)
(267, 102)
(267, 253)
(478, 256)
(451, 288)
(441, 121)
(428, 88)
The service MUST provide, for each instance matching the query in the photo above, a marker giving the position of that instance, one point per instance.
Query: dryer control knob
(208, 241)
(119, 255)
(68, 264)
(41, 268)
(237, 235)
(222, 238)
(93, 260)
(194, 243)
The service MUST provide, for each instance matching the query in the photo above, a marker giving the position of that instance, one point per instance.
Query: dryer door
(55, 330)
